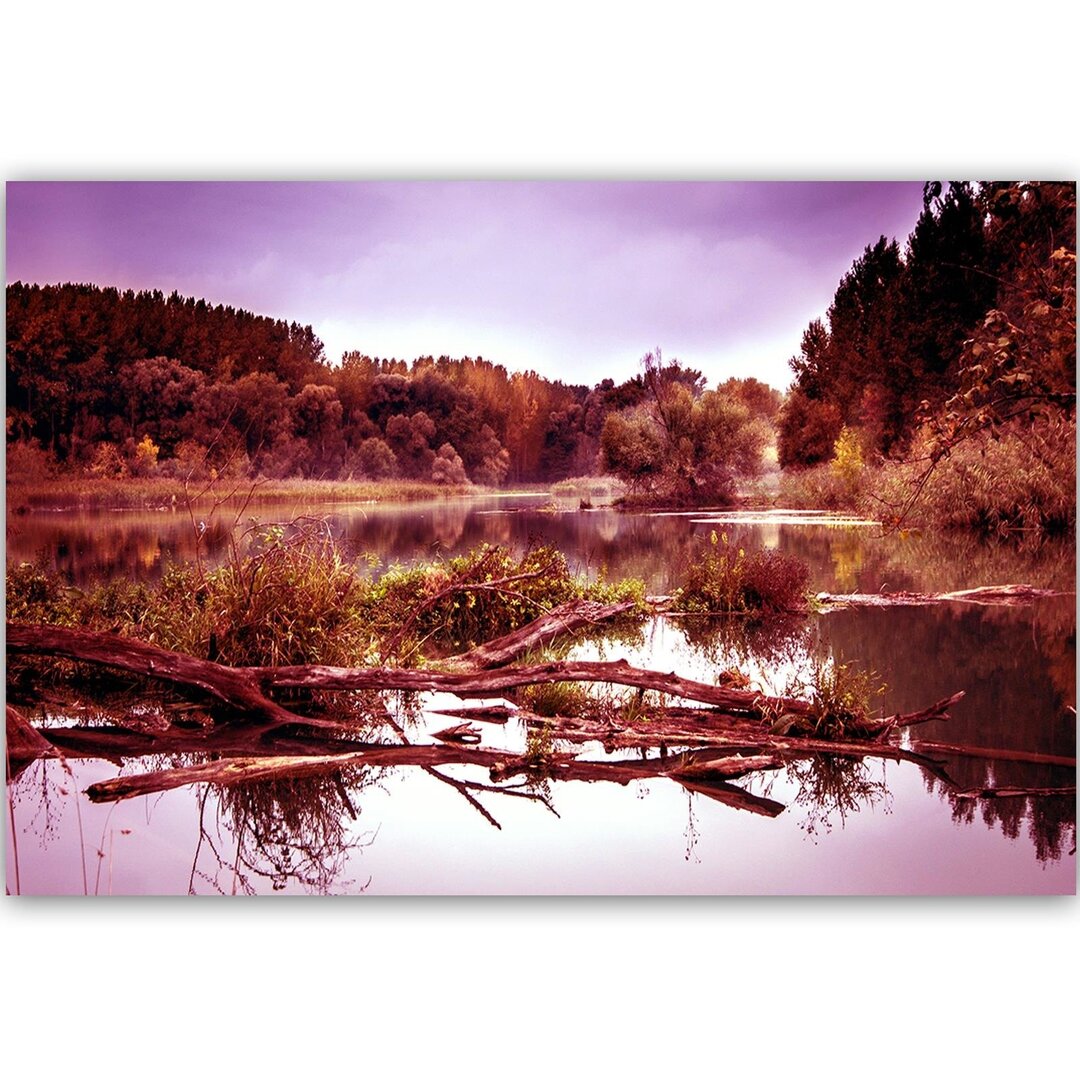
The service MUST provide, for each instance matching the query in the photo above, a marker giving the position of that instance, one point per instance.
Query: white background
(276, 90)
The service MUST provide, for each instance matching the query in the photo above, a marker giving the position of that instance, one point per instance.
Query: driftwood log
(254, 737)
(246, 690)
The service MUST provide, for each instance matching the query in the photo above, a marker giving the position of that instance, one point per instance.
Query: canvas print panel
(541, 538)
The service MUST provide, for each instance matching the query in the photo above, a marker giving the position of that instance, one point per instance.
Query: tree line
(119, 383)
(970, 325)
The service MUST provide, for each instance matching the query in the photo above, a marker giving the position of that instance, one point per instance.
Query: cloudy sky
(576, 280)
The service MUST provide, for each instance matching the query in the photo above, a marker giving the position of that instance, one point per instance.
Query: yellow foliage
(847, 462)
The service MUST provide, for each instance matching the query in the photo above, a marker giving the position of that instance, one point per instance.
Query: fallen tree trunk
(231, 686)
(245, 689)
(695, 767)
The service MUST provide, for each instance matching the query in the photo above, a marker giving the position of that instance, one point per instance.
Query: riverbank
(81, 492)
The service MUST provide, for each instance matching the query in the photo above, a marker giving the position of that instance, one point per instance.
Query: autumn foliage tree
(683, 444)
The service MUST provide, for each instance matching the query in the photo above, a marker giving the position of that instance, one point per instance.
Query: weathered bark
(986, 595)
(492, 683)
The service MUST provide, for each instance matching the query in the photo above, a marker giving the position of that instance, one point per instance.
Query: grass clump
(480, 595)
(841, 696)
(725, 578)
(36, 594)
(293, 599)
(556, 699)
(290, 600)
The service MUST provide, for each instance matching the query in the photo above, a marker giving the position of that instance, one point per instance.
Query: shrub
(1020, 479)
(141, 457)
(724, 578)
(847, 462)
(447, 468)
(107, 462)
(38, 594)
(459, 603)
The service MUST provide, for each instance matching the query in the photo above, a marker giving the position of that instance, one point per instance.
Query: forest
(115, 384)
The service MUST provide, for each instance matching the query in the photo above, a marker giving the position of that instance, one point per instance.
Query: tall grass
(290, 596)
(1021, 481)
(589, 487)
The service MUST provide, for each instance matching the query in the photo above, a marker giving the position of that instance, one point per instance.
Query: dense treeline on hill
(899, 344)
(116, 384)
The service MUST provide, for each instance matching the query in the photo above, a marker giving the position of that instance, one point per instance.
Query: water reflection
(289, 831)
(90, 545)
(1017, 667)
(831, 788)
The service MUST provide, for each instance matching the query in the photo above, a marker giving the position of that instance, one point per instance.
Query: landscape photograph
(541, 537)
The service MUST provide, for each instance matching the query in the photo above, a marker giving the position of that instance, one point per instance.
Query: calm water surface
(868, 827)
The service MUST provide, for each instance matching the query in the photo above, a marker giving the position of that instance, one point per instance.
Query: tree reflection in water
(296, 831)
(1051, 819)
(831, 787)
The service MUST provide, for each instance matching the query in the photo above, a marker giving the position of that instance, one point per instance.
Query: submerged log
(734, 796)
(986, 595)
(993, 753)
(694, 768)
(1012, 792)
(459, 733)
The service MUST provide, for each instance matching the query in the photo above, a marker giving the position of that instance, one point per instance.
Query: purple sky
(576, 280)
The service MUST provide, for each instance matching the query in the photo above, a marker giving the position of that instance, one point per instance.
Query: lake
(878, 827)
